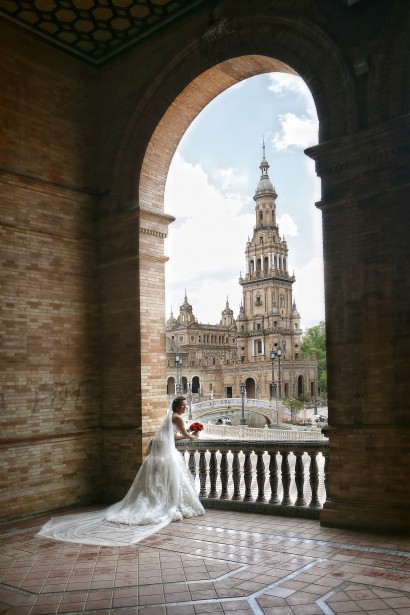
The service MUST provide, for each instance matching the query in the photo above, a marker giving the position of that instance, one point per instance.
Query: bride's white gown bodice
(162, 491)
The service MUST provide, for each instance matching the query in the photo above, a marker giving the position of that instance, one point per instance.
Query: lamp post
(272, 386)
(178, 364)
(242, 386)
(190, 401)
(279, 354)
(291, 410)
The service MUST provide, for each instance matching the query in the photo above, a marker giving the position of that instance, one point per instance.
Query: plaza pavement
(222, 563)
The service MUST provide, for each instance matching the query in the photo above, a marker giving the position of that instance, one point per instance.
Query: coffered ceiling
(95, 31)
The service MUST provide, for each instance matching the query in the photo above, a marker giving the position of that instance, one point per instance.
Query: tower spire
(264, 165)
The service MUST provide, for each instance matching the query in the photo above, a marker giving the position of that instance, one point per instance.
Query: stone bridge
(271, 411)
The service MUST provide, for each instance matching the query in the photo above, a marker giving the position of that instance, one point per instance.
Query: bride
(163, 491)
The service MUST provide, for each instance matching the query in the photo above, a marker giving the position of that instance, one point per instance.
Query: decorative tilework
(94, 31)
(234, 562)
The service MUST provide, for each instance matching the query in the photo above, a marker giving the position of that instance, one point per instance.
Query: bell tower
(268, 317)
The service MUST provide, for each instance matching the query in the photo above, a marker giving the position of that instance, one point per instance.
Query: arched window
(300, 385)
(195, 384)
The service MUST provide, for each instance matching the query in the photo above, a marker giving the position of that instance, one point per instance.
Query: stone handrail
(268, 476)
(234, 402)
(262, 433)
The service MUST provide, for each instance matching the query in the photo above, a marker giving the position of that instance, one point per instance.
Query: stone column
(366, 230)
(132, 336)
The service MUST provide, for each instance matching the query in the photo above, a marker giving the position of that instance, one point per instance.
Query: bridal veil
(150, 504)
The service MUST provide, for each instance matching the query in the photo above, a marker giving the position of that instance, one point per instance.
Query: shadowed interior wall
(50, 382)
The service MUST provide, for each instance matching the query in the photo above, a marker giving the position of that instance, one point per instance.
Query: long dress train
(163, 491)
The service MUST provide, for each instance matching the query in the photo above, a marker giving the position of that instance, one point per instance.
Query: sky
(210, 187)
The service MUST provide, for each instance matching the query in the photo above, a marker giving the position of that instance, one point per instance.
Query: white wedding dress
(163, 491)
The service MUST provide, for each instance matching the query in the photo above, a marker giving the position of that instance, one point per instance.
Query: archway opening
(198, 217)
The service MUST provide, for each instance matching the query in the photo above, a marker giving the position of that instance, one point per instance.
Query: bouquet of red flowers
(196, 427)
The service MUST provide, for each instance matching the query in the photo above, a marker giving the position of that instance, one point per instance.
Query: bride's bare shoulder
(176, 419)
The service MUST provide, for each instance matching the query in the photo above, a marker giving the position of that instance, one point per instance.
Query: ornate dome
(264, 185)
(171, 320)
(227, 311)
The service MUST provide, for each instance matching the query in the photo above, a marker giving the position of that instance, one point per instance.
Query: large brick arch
(222, 57)
(362, 160)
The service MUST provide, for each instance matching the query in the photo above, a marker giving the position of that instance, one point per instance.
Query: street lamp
(242, 386)
(190, 401)
(292, 413)
(272, 386)
(279, 354)
(178, 364)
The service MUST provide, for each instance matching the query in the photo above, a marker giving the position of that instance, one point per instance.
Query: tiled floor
(224, 562)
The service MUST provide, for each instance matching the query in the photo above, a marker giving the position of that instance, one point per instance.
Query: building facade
(261, 346)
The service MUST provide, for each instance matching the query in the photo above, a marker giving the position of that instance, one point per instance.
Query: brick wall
(50, 383)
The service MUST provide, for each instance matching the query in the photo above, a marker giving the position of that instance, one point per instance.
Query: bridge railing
(243, 432)
(264, 476)
(235, 402)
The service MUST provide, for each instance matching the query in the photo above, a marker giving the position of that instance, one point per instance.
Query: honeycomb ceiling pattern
(95, 31)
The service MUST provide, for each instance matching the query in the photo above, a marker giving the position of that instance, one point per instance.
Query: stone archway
(171, 386)
(300, 385)
(199, 72)
(226, 53)
(195, 384)
(192, 80)
(250, 388)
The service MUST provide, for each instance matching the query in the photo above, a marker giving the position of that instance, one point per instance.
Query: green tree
(314, 343)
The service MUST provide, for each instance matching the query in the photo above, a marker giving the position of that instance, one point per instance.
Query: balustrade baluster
(326, 476)
(224, 475)
(236, 476)
(202, 474)
(260, 477)
(213, 473)
(219, 485)
(299, 480)
(273, 479)
(247, 473)
(286, 501)
(314, 481)
(192, 464)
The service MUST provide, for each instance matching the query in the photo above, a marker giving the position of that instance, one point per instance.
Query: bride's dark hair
(177, 402)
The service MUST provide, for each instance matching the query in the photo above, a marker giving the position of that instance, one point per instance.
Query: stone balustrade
(234, 402)
(243, 432)
(264, 476)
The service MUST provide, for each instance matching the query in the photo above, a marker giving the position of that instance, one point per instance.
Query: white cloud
(295, 132)
(287, 226)
(309, 292)
(226, 177)
(215, 214)
(204, 245)
(283, 84)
